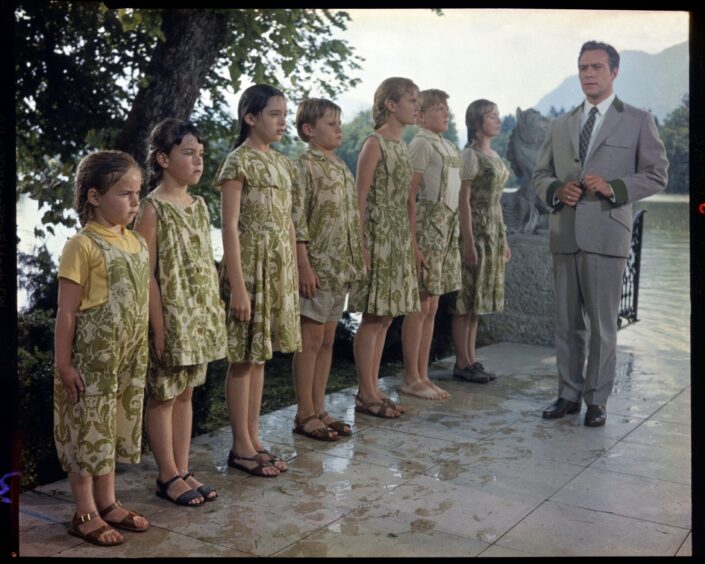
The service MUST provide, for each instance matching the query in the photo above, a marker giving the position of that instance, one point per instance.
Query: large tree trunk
(175, 75)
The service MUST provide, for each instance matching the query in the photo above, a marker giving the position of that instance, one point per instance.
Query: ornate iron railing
(629, 301)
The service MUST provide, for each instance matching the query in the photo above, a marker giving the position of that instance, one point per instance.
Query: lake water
(664, 293)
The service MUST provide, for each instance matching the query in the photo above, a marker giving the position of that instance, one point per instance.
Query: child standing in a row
(101, 345)
(383, 184)
(185, 310)
(258, 268)
(434, 225)
(329, 256)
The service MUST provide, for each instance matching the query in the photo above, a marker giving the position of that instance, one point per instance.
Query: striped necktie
(586, 133)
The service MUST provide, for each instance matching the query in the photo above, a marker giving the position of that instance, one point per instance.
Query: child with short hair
(258, 269)
(329, 257)
(186, 312)
(391, 289)
(100, 344)
(434, 224)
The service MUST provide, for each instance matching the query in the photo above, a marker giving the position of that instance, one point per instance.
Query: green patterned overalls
(110, 354)
(391, 288)
(437, 227)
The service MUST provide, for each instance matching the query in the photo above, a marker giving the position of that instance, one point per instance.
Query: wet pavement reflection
(480, 474)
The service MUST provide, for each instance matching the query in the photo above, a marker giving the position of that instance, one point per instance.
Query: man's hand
(597, 185)
(569, 193)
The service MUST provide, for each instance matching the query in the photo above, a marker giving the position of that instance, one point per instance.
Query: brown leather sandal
(92, 537)
(127, 523)
(383, 408)
(394, 405)
(339, 426)
(320, 434)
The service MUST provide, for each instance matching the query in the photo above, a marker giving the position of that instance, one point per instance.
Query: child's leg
(460, 327)
(256, 387)
(182, 424)
(237, 396)
(425, 347)
(320, 380)
(82, 490)
(472, 336)
(304, 366)
(161, 434)
(105, 496)
(416, 344)
(367, 347)
(324, 359)
(365, 352)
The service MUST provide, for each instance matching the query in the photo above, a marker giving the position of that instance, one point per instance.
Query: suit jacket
(627, 152)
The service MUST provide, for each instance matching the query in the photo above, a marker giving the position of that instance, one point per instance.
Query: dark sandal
(320, 434)
(384, 408)
(127, 523)
(204, 489)
(256, 471)
(92, 537)
(394, 406)
(273, 459)
(183, 499)
(340, 427)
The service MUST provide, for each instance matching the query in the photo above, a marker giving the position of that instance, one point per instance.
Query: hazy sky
(513, 57)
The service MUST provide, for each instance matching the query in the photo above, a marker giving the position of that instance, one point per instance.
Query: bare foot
(439, 390)
(420, 390)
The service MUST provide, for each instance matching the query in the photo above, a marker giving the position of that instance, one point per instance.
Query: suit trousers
(588, 290)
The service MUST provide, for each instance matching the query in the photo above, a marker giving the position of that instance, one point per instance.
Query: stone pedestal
(529, 297)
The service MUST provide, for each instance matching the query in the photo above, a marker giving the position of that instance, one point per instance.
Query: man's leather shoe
(560, 407)
(595, 416)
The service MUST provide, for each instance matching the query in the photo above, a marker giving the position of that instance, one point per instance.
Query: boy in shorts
(326, 218)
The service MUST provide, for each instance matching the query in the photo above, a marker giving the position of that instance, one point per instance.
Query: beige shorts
(326, 306)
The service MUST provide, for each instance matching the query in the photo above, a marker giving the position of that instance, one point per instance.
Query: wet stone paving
(481, 474)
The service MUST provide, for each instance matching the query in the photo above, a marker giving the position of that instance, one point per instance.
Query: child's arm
(70, 294)
(370, 155)
(465, 220)
(146, 225)
(411, 211)
(294, 248)
(230, 199)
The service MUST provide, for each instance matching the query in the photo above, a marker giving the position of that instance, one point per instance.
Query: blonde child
(259, 272)
(101, 346)
(329, 258)
(186, 312)
(383, 184)
(434, 223)
(483, 237)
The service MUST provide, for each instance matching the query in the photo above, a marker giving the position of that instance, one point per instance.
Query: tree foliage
(675, 135)
(90, 77)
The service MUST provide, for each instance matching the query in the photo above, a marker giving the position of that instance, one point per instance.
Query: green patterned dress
(437, 211)
(391, 288)
(483, 285)
(268, 264)
(194, 313)
(110, 354)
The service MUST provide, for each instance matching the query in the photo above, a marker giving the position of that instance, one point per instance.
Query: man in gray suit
(593, 163)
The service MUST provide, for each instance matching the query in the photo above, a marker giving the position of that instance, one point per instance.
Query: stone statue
(523, 211)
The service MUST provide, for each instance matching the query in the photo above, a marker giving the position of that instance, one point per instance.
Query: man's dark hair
(595, 45)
